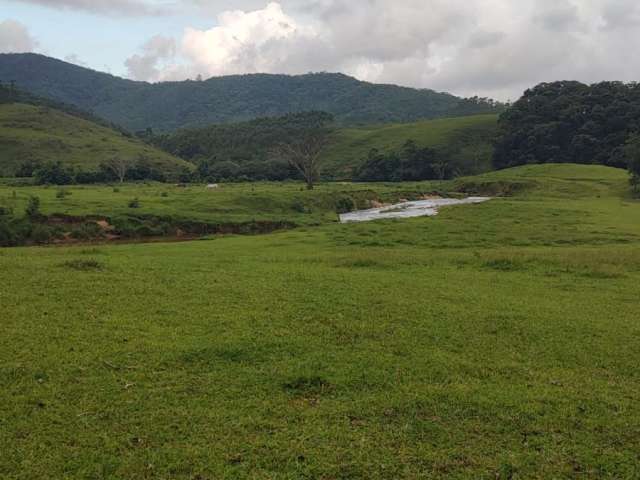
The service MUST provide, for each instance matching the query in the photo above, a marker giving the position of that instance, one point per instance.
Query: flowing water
(419, 208)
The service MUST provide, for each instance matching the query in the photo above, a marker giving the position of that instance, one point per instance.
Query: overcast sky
(493, 48)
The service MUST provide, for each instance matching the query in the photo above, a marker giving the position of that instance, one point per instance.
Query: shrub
(53, 173)
(345, 204)
(87, 231)
(7, 235)
(135, 203)
(60, 194)
(33, 207)
(300, 207)
(42, 233)
(84, 265)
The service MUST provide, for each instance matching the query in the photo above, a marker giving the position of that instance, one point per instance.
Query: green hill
(243, 148)
(467, 140)
(172, 105)
(37, 134)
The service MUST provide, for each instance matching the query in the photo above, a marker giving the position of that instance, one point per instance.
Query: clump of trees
(569, 122)
(575, 123)
(410, 163)
(117, 169)
(261, 149)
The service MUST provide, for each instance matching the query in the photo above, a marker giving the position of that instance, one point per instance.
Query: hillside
(466, 139)
(37, 134)
(242, 149)
(172, 105)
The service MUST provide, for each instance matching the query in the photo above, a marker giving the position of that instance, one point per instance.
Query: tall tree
(119, 166)
(305, 154)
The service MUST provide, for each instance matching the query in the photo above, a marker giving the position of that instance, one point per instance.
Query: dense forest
(569, 122)
(240, 151)
(172, 105)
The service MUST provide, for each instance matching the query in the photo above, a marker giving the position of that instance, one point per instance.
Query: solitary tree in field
(119, 166)
(632, 154)
(305, 154)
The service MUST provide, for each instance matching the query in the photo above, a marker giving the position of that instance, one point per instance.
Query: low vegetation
(492, 341)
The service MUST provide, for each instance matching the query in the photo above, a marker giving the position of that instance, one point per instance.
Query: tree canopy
(168, 106)
(569, 122)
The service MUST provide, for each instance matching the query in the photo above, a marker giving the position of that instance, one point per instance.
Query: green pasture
(498, 340)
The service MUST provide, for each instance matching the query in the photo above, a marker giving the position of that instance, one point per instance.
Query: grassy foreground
(498, 340)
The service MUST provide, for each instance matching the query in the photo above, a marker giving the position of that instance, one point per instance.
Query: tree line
(572, 122)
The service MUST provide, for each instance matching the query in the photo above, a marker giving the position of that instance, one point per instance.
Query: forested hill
(172, 105)
(570, 122)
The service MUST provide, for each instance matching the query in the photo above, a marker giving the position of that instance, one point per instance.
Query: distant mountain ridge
(172, 105)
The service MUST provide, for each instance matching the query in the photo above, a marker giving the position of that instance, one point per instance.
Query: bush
(60, 194)
(135, 203)
(300, 207)
(84, 265)
(42, 233)
(33, 208)
(345, 204)
(53, 173)
(87, 231)
(7, 235)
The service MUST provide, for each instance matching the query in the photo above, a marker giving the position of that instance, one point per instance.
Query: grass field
(40, 134)
(233, 202)
(468, 139)
(498, 340)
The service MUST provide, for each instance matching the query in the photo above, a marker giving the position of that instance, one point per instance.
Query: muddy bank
(61, 229)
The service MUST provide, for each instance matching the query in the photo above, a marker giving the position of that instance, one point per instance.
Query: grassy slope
(350, 146)
(35, 133)
(493, 341)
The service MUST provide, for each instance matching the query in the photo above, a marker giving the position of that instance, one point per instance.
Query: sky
(492, 48)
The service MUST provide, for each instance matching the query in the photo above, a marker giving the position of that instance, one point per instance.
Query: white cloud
(258, 41)
(15, 38)
(488, 47)
(108, 7)
(153, 63)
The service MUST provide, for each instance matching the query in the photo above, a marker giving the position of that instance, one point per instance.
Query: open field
(233, 202)
(498, 340)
